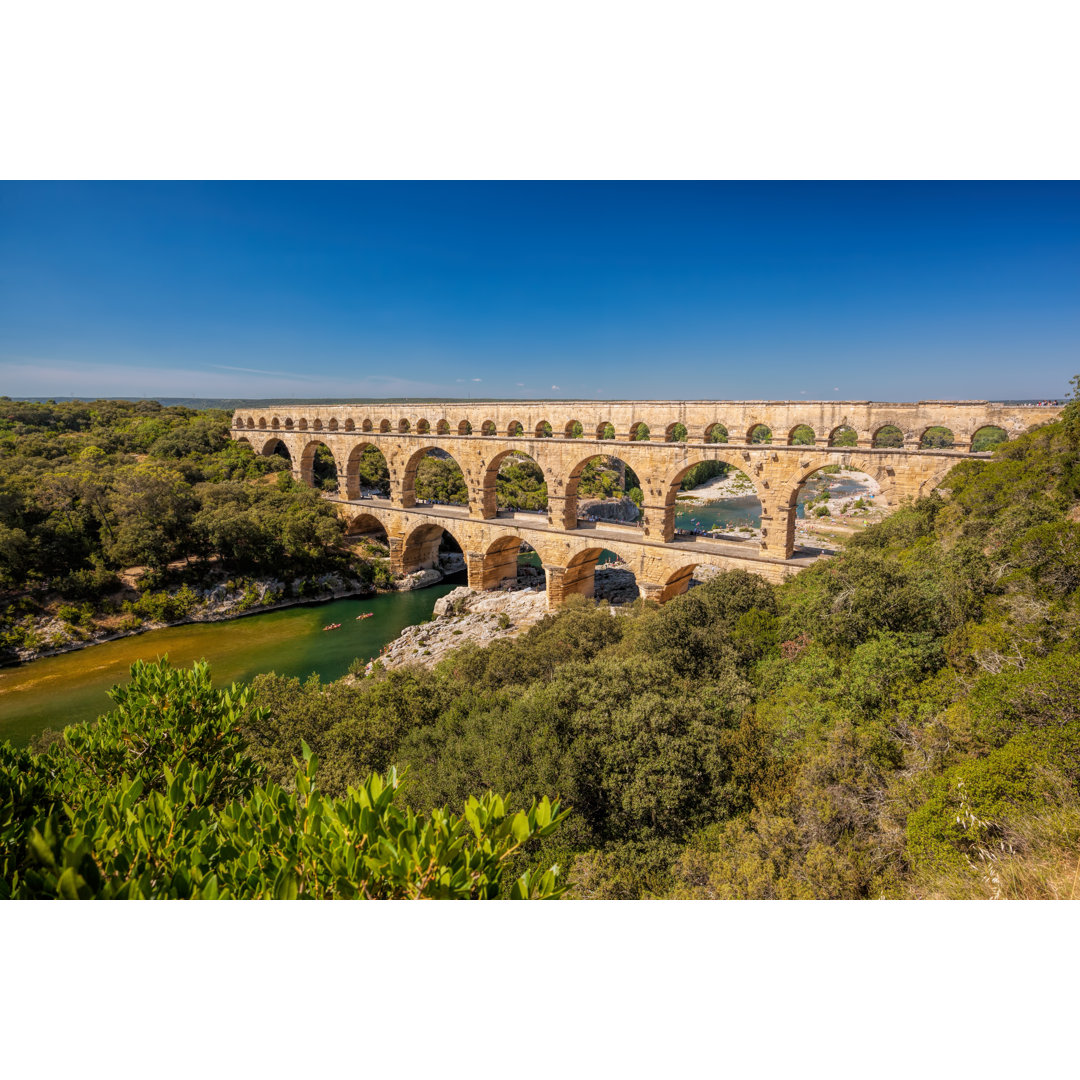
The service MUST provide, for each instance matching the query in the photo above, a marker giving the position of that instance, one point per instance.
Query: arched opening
(333, 425)
(801, 435)
(504, 567)
(936, 438)
(276, 448)
(464, 428)
(987, 437)
(844, 435)
(604, 490)
(423, 427)
(431, 547)
(675, 433)
(514, 481)
(245, 442)
(832, 501)
(888, 437)
(487, 427)
(384, 427)
(597, 573)
(367, 425)
(443, 427)
(639, 432)
(514, 429)
(316, 425)
(318, 467)
(716, 433)
(262, 423)
(543, 430)
(713, 499)
(350, 424)
(434, 478)
(677, 583)
(403, 426)
(250, 422)
(366, 473)
(574, 430)
(368, 533)
(238, 422)
(275, 424)
(759, 433)
(288, 423)
(302, 424)
(605, 430)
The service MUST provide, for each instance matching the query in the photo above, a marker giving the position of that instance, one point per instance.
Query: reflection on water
(65, 689)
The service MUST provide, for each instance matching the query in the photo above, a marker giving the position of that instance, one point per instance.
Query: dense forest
(902, 720)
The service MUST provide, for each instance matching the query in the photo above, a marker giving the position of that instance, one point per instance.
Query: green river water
(66, 689)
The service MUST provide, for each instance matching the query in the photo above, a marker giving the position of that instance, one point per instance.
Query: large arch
(500, 562)
(937, 437)
(887, 437)
(678, 581)
(985, 438)
(366, 472)
(420, 547)
(801, 435)
(367, 525)
(319, 470)
(444, 487)
(492, 500)
(621, 480)
(274, 446)
(673, 484)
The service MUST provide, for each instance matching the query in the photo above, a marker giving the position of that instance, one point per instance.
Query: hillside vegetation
(902, 720)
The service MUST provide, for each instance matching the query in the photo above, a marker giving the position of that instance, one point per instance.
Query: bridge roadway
(485, 435)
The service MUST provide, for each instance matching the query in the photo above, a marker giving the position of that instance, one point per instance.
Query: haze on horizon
(540, 290)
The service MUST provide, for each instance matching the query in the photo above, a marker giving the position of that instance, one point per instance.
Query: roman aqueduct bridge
(480, 436)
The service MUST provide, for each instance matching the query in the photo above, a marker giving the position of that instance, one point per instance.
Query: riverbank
(49, 634)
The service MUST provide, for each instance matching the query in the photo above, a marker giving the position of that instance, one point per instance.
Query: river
(69, 688)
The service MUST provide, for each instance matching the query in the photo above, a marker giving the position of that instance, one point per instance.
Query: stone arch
(986, 437)
(316, 424)
(365, 525)
(676, 432)
(333, 424)
(716, 433)
(384, 427)
(443, 427)
(605, 430)
(302, 424)
(639, 431)
(288, 423)
(574, 429)
(350, 424)
(251, 423)
(277, 446)
(887, 436)
(500, 562)
(759, 433)
(245, 441)
(420, 547)
(487, 427)
(515, 429)
(672, 485)
(315, 468)
(403, 426)
(936, 437)
(489, 484)
(275, 424)
(578, 577)
(238, 422)
(843, 435)
(464, 428)
(543, 430)
(362, 460)
(801, 435)
(262, 423)
(367, 425)
(678, 581)
(627, 480)
(409, 494)
(423, 427)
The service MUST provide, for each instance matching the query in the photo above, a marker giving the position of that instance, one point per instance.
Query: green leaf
(520, 827)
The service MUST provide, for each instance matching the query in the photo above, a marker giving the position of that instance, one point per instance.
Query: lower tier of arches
(569, 558)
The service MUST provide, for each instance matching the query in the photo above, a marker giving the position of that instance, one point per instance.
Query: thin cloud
(478, 380)
(556, 388)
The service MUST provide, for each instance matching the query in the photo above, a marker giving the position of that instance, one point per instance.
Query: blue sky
(650, 290)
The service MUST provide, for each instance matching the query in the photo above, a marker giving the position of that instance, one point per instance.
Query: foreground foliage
(159, 800)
